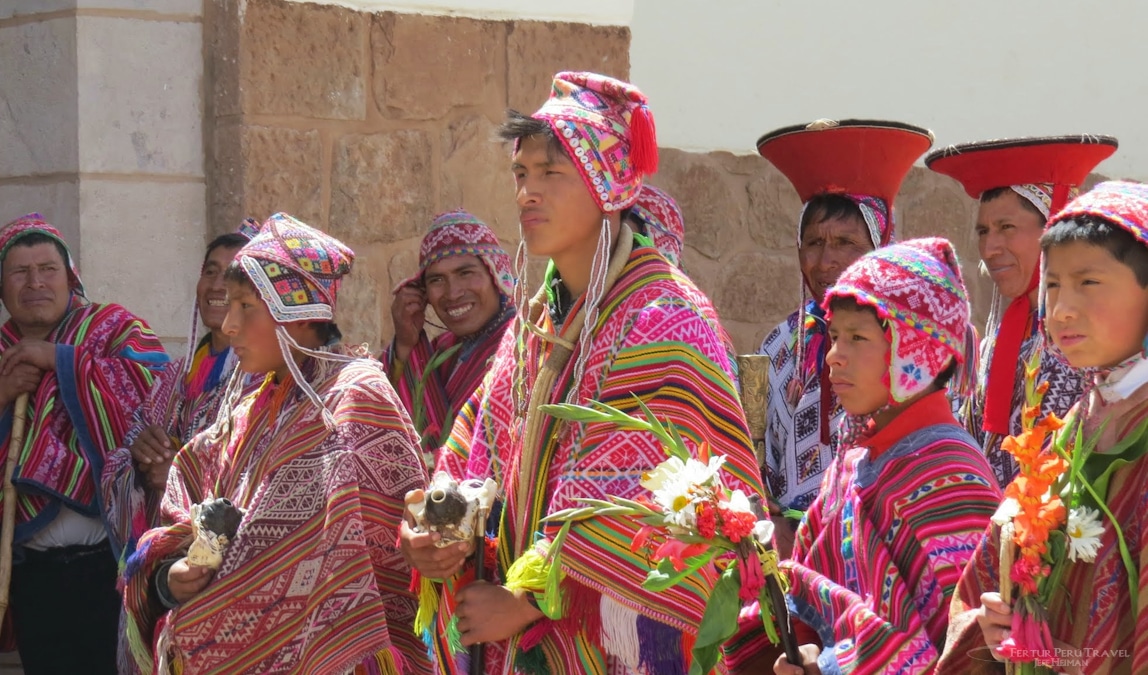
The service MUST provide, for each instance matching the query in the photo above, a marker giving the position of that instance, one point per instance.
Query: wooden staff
(8, 527)
(753, 378)
(477, 655)
(1008, 550)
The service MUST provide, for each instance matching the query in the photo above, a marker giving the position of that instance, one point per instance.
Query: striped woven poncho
(313, 581)
(447, 388)
(1092, 619)
(182, 412)
(653, 340)
(878, 555)
(105, 358)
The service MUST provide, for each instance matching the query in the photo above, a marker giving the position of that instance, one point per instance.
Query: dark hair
(325, 330)
(828, 207)
(1099, 232)
(518, 126)
(849, 303)
(229, 240)
(237, 274)
(989, 195)
(943, 377)
(35, 239)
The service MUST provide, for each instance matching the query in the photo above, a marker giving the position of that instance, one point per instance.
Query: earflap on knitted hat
(917, 290)
(658, 217)
(607, 129)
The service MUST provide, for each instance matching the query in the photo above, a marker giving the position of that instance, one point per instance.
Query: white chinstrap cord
(595, 291)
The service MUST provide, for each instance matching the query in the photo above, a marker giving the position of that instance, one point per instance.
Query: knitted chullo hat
(461, 233)
(918, 292)
(607, 129)
(1122, 203)
(296, 269)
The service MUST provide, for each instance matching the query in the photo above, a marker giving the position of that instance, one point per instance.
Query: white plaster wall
(599, 12)
(721, 73)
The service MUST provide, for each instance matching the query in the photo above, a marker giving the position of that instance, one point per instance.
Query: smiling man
(1018, 182)
(465, 275)
(86, 367)
(182, 402)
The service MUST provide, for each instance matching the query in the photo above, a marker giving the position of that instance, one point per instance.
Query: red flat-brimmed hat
(1060, 162)
(868, 157)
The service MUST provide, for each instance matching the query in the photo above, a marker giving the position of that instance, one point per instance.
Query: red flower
(641, 538)
(678, 551)
(707, 520)
(737, 524)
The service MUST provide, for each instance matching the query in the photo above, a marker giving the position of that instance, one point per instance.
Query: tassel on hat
(643, 141)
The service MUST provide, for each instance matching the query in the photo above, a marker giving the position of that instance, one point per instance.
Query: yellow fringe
(428, 606)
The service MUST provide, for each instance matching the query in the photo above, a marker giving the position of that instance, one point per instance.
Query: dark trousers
(66, 610)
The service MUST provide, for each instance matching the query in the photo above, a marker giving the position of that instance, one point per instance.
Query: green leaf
(793, 514)
(665, 576)
(678, 447)
(705, 658)
(655, 426)
(768, 620)
(574, 413)
(719, 623)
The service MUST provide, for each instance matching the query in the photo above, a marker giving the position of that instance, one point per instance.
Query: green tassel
(453, 637)
(532, 662)
(428, 606)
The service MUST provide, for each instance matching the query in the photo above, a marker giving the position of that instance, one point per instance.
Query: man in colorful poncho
(1095, 616)
(318, 460)
(1017, 183)
(847, 190)
(86, 368)
(465, 275)
(901, 510)
(612, 320)
(182, 402)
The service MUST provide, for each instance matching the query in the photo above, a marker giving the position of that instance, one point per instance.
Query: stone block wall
(367, 125)
(102, 133)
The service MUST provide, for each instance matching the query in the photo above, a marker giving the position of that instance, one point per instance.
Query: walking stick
(1008, 551)
(753, 378)
(477, 655)
(8, 526)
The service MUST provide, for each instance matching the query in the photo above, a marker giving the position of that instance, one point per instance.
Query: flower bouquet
(1050, 518)
(691, 520)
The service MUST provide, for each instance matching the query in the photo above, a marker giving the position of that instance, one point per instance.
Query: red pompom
(643, 141)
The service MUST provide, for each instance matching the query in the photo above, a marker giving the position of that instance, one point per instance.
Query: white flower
(763, 532)
(1084, 530)
(668, 470)
(675, 486)
(739, 502)
(1008, 510)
